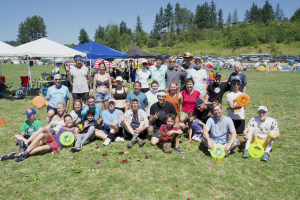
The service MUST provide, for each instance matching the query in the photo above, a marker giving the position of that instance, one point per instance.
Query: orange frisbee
(243, 99)
(38, 101)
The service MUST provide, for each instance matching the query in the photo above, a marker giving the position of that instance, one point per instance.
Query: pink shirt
(189, 101)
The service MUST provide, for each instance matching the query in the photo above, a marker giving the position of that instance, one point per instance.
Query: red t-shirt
(189, 101)
(165, 128)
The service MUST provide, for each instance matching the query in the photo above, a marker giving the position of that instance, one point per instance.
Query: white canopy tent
(3, 48)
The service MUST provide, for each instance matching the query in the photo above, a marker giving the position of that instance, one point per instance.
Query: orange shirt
(174, 100)
(211, 76)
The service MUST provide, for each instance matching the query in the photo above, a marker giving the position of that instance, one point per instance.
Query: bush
(152, 43)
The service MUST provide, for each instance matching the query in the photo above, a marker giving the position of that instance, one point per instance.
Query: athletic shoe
(107, 142)
(119, 139)
(22, 145)
(265, 157)
(130, 144)
(75, 149)
(228, 154)
(21, 158)
(178, 149)
(9, 156)
(167, 147)
(246, 154)
(141, 142)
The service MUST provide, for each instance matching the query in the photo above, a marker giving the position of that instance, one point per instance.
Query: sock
(26, 152)
(134, 137)
(17, 155)
(49, 120)
(247, 145)
(110, 136)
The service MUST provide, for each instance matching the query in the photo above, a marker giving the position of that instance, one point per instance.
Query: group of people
(114, 114)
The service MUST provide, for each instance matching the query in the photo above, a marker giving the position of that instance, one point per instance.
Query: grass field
(190, 175)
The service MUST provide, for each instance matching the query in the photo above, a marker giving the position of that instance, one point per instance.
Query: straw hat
(188, 55)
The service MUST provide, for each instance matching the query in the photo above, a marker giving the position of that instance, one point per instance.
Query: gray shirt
(80, 79)
(174, 75)
(183, 78)
(219, 129)
(240, 76)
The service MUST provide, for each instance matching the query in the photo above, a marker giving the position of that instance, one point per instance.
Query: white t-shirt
(263, 128)
(235, 114)
(142, 77)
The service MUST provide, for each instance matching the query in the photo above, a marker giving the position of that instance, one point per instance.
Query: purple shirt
(57, 136)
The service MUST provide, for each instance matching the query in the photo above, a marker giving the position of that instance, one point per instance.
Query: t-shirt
(108, 117)
(235, 114)
(80, 80)
(159, 74)
(135, 123)
(216, 91)
(241, 76)
(76, 117)
(199, 76)
(184, 79)
(263, 128)
(97, 108)
(203, 116)
(164, 128)
(91, 123)
(142, 77)
(174, 100)
(57, 95)
(212, 76)
(219, 129)
(174, 75)
(196, 127)
(189, 101)
(152, 98)
(141, 96)
(30, 128)
(162, 112)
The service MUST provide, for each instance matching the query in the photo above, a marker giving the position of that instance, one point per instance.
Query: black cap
(199, 101)
(158, 57)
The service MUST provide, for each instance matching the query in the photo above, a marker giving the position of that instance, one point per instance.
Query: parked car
(283, 58)
(260, 58)
(290, 58)
(254, 58)
(279, 58)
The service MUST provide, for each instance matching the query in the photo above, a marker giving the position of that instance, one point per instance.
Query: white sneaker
(119, 139)
(107, 142)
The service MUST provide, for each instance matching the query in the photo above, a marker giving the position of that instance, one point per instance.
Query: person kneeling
(262, 130)
(196, 127)
(168, 133)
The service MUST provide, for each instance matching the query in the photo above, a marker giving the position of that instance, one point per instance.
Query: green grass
(112, 179)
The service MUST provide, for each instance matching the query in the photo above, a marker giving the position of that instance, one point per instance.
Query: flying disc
(256, 150)
(38, 101)
(243, 99)
(66, 139)
(218, 151)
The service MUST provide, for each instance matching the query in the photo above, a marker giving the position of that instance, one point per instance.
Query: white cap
(119, 78)
(111, 100)
(265, 108)
(135, 99)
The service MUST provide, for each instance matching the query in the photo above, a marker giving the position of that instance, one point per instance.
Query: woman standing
(173, 96)
(120, 94)
(102, 81)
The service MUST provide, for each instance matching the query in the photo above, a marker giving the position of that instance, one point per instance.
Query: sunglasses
(57, 79)
(198, 61)
(77, 58)
(172, 61)
(236, 83)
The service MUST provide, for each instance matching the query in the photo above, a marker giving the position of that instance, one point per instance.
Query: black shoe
(9, 156)
(21, 158)
(75, 149)
(141, 142)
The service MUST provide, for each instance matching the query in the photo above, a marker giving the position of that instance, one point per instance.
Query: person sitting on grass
(76, 112)
(135, 122)
(168, 133)
(196, 127)
(219, 127)
(28, 128)
(51, 143)
(86, 130)
(262, 130)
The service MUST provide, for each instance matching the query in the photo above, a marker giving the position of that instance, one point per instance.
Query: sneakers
(178, 149)
(75, 149)
(130, 144)
(167, 147)
(265, 157)
(9, 156)
(119, 139)
(22, 146)
(228, 154)
(21, 158)
(107, 142)
(141, 142)
(246, 154)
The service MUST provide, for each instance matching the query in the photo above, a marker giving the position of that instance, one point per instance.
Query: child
(86, 131)
(28, 128)
(196, 126)
(168, 132)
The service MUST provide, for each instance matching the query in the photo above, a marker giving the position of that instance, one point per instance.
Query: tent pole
(129, 72)
(0, 67)
(29, 72)
(54, 67)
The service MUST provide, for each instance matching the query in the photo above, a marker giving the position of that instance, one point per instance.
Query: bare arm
(244, 90)
(232, 107)
(70, 79)
(89, 78)
(204, 85)
(181, 99)
(109, 83)
(206, 99)
(94, 87)
(127, 106)
(177, 121)
(68, 105)
(146, 106)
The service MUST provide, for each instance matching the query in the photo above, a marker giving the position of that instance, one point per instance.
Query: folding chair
(9, 85)
(3, 88)
(25, 81)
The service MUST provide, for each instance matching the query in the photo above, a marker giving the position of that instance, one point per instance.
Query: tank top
(119, 96)
(59, 124)
(189, 101)
(173, 100)
(61, 131)
(80, 80)
(99, 83)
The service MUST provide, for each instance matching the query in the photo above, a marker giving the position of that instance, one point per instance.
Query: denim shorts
(222, 142)
(102, 96)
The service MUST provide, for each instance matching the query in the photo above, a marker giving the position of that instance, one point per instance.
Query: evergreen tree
(296, 15)
(213, 14)
(100, 34)
(162, 20)
(178, 17)
(155, 31)
(83, 37)
(198, 17)
(168, 15)
(138, 27)
(247, 17)
(113, 36)
(235, 16)
(172, 28)
(278, 13)
(123, 28)
(254, 14)
(205, 17)
(229, 20)
(220, 19)
(267, 12)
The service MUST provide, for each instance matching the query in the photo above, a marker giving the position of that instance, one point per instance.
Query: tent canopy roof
(95, 50)
(136, 52)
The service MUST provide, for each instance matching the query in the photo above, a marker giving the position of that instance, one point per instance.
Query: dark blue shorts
(119, 133)
(51, 108)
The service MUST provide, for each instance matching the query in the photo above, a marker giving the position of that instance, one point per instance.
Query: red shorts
(52, 143)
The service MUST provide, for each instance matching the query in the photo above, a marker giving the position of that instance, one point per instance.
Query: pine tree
(113, 36)
(235, 16)
(162, 20)
(100, 34)
(213, 14)
(197, 20)
(247, 17)
(138, 27)
(296, 15)
(278, 13)
(178, 17)
(267, 12)
(229, 20)
(205, 18)
(254, 14)
(155, 31)
(220, 19)
(168, 15)
(83, 37)
(123, 28)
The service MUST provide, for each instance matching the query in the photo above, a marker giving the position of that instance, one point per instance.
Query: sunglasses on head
(77, 58)
(236, 83)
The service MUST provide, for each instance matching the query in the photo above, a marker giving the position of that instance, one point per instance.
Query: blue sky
(64, 18)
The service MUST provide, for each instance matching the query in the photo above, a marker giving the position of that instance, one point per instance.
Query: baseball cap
(198, 57)
(218, 74)
(265, 108)
(119, 78)
(199, 101)
(236, 79)
(29, 111)
(111, 100)
(135, 99)
(145, 63)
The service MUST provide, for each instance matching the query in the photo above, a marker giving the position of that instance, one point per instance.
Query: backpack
(20, 94)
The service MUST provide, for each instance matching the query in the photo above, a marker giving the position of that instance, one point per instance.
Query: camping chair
(3, 88)
(9, 85)
(25, 81)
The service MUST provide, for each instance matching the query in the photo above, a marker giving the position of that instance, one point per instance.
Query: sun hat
(188, 55)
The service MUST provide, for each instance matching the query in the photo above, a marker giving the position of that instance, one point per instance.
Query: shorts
(27, 137)
(222, 142)
(198, 137)
(155, 133)
(262, 141)
(119, 133)
(142, 135)
(102, 96)
(239, 125)
(51, 108)
(52, 143)
(122, 109)
(144, 90)
(187, 116)
(81, 96)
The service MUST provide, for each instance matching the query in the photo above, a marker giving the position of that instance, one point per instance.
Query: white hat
(262, 108)
(111, 100)
(119, 78)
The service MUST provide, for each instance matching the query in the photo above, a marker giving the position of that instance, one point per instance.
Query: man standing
(135, 122)
(238, 75)
(158, 72)
(262, 130)
(199, 76)
(80, 79)
(143, 76)
(216, 89)
(174, 73)
(57, 93)
(219, 127)
(188, 57)
(139, 95)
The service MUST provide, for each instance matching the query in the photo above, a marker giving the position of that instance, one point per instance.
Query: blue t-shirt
(198, 76)
(219, 129)
(141, 96)
(109, 117)
(97, 109)
(57, 95)
(196, 127)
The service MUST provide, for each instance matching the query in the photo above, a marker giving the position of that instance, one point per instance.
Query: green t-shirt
(159, 74)
(30, 128)
(152, 99)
